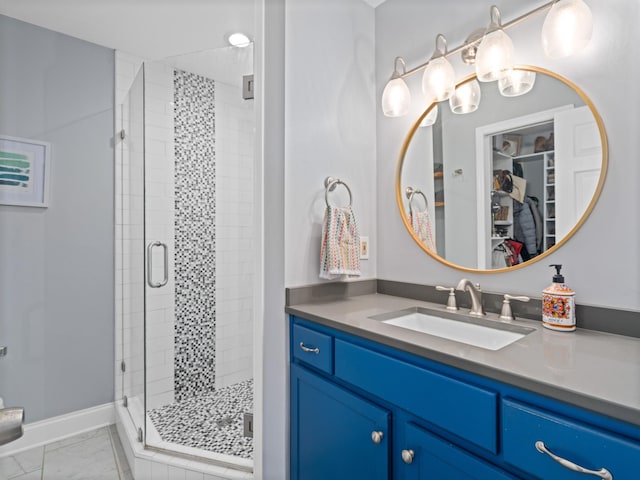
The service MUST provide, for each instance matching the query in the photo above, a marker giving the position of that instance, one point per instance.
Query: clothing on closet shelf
(528, 226)
(538, 220)
(507, 254)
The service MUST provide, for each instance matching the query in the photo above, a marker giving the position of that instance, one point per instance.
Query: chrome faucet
(466, 285)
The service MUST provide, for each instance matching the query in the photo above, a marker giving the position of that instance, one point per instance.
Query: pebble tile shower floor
(212, 422)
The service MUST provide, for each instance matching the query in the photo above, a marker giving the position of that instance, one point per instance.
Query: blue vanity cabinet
(335, 434)
(434, 421)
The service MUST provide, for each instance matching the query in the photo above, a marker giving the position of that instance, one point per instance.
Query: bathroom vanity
(374, 400)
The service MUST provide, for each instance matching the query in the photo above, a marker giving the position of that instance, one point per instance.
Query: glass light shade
(438, 80)
(567, 28)
(494, 56)
(431, 117)
(396, 98)
(466, 98)
(516, 82)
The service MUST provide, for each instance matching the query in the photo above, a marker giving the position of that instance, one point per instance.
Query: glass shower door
(131, 214)
(159, 241)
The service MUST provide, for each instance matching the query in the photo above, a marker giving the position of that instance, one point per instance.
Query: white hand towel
(423, 228)
(340, 249)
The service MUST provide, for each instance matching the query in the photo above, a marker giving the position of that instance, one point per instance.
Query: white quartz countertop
(593, 370)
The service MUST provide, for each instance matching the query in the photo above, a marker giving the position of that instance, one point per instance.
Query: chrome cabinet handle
(150, 248)
(407, 456)
(602, 473)
(376, 437)
(309, 350)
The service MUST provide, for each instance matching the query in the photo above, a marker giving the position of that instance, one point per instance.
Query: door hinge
(125, 401)
(248, 425)
(123, 366)
(122, 134)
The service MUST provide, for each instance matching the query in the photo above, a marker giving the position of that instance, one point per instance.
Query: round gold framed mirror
(508, 178)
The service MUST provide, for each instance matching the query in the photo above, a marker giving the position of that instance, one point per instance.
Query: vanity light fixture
(495, 53)
(239, 40)
(516, 82)
(566, 30)
(439, 78)
(396, 96)
(466, 98)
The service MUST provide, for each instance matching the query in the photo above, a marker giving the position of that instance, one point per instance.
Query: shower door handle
(150, 281)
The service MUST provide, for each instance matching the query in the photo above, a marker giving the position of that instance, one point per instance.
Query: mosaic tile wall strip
(195, 236)
(212, 422)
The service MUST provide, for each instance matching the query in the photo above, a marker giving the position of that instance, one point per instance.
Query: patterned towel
(340, 249)
(421, 224)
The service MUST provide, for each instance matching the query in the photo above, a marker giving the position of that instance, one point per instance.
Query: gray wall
(605, 73)
(56, 264)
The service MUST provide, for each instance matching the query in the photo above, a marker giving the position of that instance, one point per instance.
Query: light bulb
(438, 80)
(494, 57)
(567, 28)
(466, 98)
(516, 82)
(239, 40)
(396, 96)
(495, 52)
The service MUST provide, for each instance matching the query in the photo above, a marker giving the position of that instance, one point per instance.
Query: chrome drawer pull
(602, 473)
(309, 350)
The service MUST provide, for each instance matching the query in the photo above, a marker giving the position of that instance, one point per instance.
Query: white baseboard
(57, 428)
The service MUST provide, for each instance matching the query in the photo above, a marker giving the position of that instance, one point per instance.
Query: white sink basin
(480, 332)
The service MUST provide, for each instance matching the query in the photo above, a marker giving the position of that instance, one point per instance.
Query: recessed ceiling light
(239, 40)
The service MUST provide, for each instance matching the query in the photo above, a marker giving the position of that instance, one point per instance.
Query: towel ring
(410, 192)
(330, 184)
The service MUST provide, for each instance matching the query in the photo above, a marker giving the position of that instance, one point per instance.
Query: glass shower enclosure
(185, 228)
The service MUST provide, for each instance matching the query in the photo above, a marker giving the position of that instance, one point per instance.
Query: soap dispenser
(558, 304)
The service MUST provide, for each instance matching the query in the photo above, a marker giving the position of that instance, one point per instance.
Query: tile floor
(95, 455)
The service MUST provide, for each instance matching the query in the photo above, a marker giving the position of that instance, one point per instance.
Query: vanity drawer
(586, 446)
(457, 407)
(313, 348)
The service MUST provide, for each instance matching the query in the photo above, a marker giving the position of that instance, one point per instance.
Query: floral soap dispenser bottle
(558, 305)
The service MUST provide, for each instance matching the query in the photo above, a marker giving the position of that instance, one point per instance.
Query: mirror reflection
(507, 183)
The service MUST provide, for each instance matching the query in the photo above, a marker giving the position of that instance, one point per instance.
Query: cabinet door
(332, 432)
(424, 456)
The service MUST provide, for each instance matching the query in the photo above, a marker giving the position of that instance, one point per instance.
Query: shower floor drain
(224, 421)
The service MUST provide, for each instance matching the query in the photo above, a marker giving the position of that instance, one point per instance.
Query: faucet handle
(451, 300)
(506, 313)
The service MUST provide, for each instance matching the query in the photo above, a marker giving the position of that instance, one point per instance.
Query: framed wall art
(25, 167)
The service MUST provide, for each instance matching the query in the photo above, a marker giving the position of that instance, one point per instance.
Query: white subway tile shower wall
(159, 226)
(235, 129)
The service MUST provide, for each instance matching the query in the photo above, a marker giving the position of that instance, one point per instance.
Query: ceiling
(152, 29)
(192, 34)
